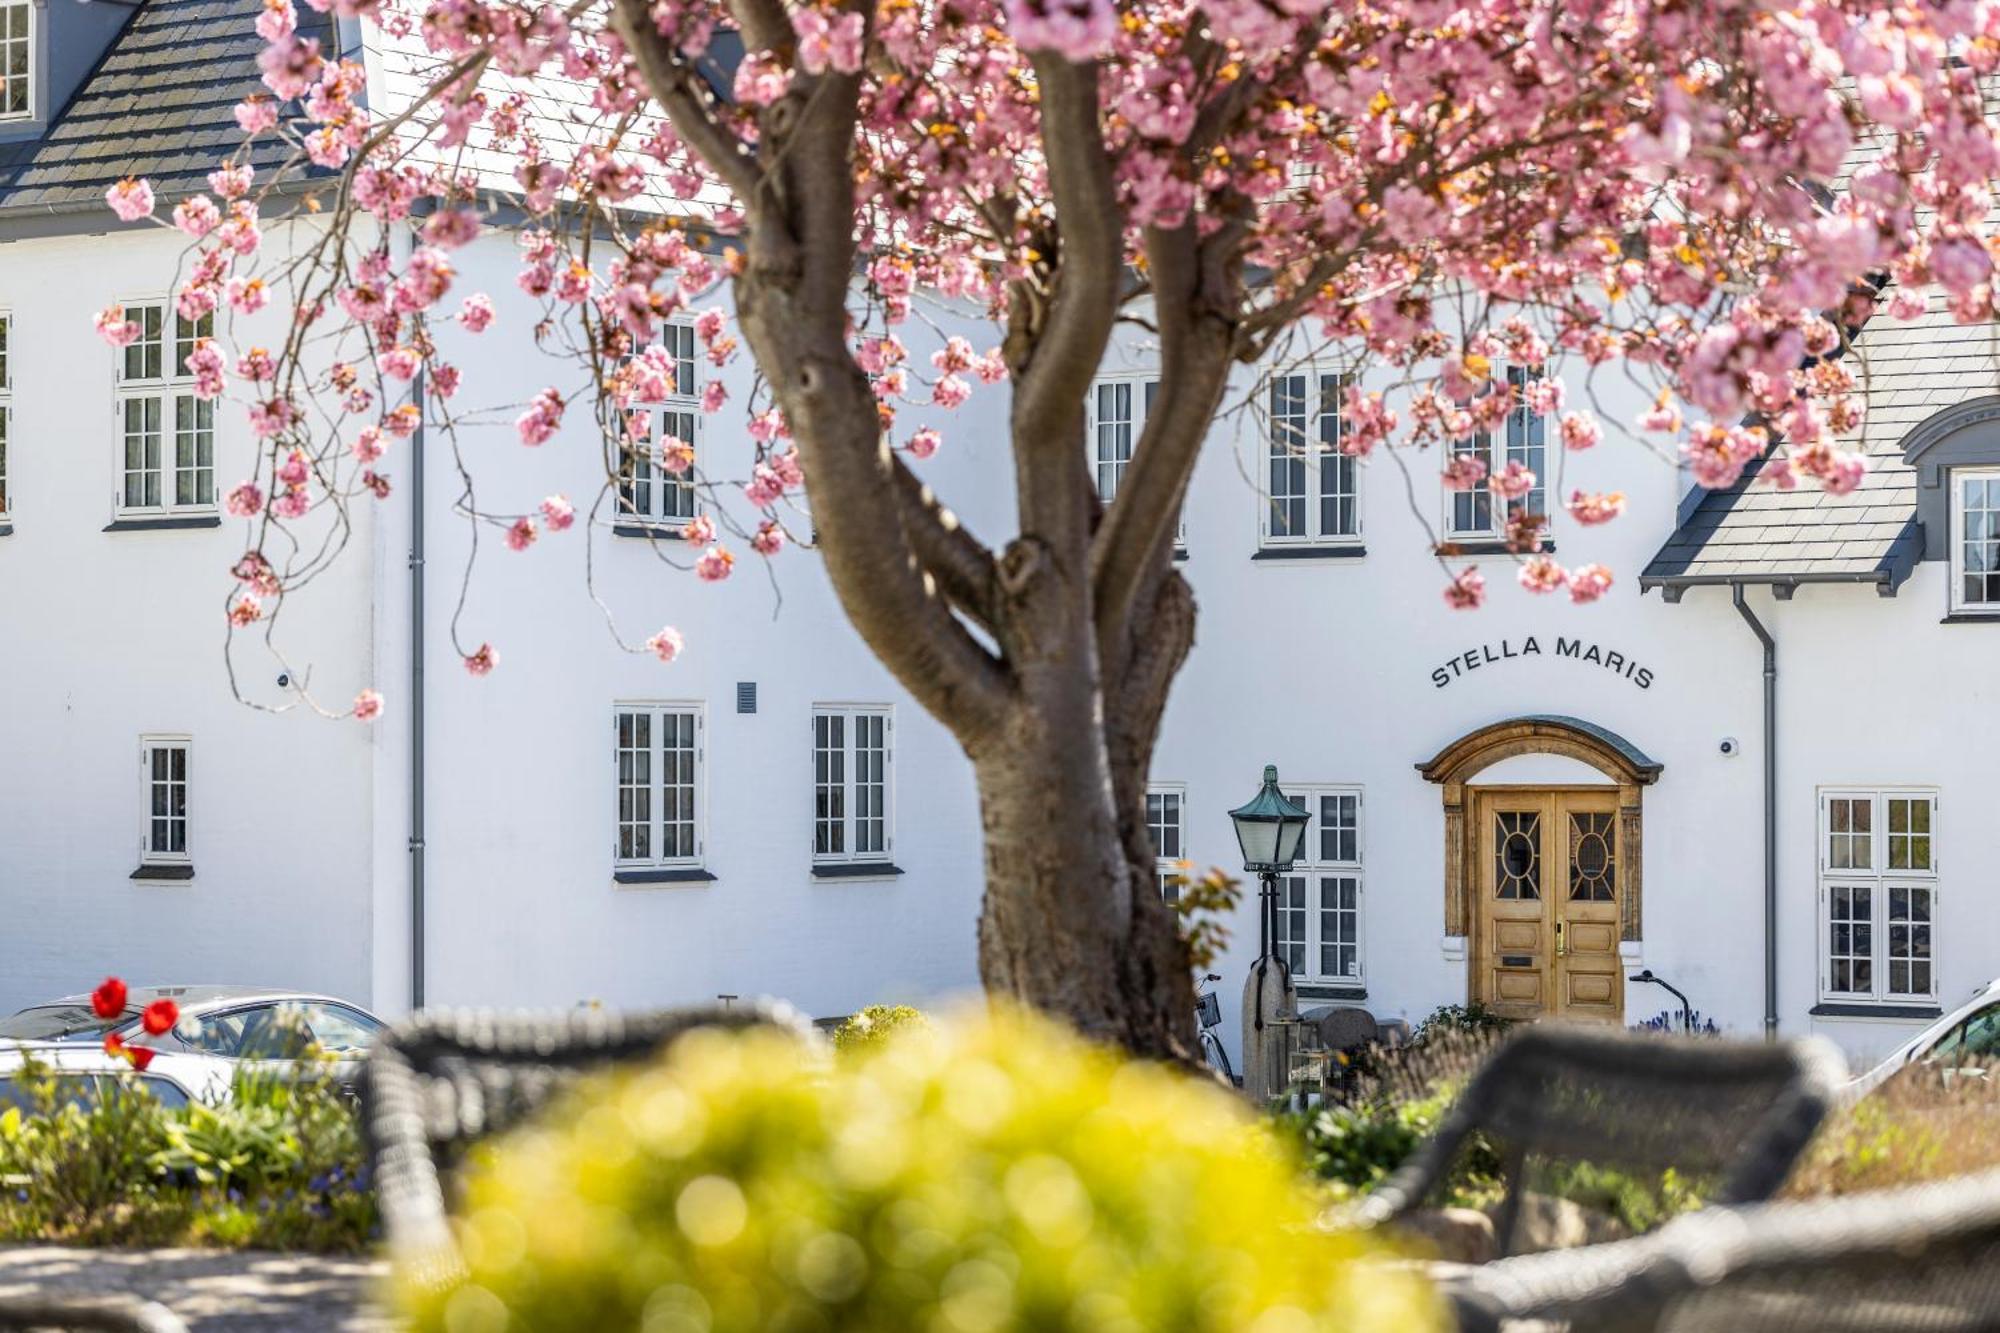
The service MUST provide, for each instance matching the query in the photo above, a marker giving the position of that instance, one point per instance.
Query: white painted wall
(105, 636)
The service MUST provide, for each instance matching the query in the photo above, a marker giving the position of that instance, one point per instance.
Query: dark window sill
(1451, 548)
(857, 870)
(172, 524)
(6, 529)
(1905, 1011)
(164, 872)
(1309, 991)
(1972, 618)
(1180, 555)
(682, 875)
(1309, 553)
(649, 532)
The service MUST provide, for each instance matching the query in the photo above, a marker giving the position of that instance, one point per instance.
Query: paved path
(215, 1291)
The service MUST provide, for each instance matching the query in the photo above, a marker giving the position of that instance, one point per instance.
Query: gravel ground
(214, 1291)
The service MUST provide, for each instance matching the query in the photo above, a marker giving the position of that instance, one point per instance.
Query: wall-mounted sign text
(1508, 649)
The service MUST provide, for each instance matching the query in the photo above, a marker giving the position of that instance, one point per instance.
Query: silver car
(227, 1022)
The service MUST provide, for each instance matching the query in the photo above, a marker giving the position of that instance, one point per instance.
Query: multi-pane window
(660, 753)
(1314, 487)
(1116, 417)
(166, 434)
(163, 838)
(852, 749)
(1319, 901)
(17, 54)
(1975, 539)
(656, 478)
(1166, 814)
(1878, 895)
(6, 408)
(1478, 511)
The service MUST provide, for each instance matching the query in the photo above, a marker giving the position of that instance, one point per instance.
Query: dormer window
(17, 47)
(1975, 540)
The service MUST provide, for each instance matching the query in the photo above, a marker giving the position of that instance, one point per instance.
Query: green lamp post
(1269, 829)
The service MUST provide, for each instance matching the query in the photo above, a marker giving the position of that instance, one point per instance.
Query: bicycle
(1208, 1017)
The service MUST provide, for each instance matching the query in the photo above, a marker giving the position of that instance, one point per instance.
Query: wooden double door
(1548, 879)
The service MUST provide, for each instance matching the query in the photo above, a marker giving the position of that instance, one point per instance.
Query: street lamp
(1269, 828)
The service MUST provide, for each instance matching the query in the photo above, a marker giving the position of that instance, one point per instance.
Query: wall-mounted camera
(1730, 747)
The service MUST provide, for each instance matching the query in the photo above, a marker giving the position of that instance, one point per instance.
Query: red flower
(160, 1015)
(140, 1056)
(114, 1044)
(108, 1000)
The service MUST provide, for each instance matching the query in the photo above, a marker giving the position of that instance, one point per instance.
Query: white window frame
(32, 73)
(1107, 473)
(1170, 858)
(1514, 442)
(1321, 422)
(655, 785)
(6, 411)
(847, 822)
(659, 484)
(1312, 887)
(149, 854)
(1880, 881)
(167, 390)
(1954, 480)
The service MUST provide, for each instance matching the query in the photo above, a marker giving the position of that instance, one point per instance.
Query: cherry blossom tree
(1710, 195)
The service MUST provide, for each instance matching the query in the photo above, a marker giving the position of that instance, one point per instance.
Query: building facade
(1527, 805)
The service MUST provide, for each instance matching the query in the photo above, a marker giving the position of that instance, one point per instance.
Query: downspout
(1770, 809)
(401, 241)
(417, 702)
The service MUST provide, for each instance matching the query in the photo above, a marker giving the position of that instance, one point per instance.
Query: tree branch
(962, 565)
(672, 81)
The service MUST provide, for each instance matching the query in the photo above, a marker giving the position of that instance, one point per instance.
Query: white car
(1965, 1043)
(82, 1072)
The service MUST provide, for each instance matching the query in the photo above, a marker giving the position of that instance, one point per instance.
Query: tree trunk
(1073, 922)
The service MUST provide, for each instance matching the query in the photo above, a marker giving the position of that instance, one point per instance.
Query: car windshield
(59, 1022)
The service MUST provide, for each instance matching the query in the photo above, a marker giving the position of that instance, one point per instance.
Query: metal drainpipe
(401, 241)
(1770, 809)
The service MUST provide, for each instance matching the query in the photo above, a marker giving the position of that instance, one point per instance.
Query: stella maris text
(1507, 649)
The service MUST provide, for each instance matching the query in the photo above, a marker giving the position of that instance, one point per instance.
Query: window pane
(1287, 456)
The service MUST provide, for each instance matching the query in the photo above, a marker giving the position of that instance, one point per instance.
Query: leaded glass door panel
(1514, 857)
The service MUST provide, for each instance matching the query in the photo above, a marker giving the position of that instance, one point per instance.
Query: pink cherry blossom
(769, 538)
(292, 503)
(482, 660)
(367, 706)
(558, 513)
(1540, 574)
(714, 565)
(1513, 481)
(539, 422)
(521, 534)
(1580, 430)
(825, 44)
(1073, 29)
(1467, 590)
(256, 113)
(368, 446)
(477, 312)
(699, 530)
(402, 363)
(924, 443)
(248, 295)
(197, 216)
(666, 645)
(114, 328)
(1464, 472)
(245, 500)
(230, 182)
(1594, 509)
(1587, 583)
(131, 199)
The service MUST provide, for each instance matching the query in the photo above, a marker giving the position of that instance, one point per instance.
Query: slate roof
(158, 105)
(1753, 533)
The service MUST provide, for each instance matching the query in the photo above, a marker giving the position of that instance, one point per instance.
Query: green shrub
(1354, 1146)
(874, 1025)
(1473, 1019)
(1916, 1127)
(281, 1166)
(995, 1173)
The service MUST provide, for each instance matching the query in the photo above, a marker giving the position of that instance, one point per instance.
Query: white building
(1522, 805)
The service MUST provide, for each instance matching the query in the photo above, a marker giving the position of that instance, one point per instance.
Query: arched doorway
(1543, 880)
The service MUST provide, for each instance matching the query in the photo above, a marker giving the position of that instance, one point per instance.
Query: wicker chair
(87, 1314)
(1736, 1113)
(1924, 1259)
(441, 1080)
